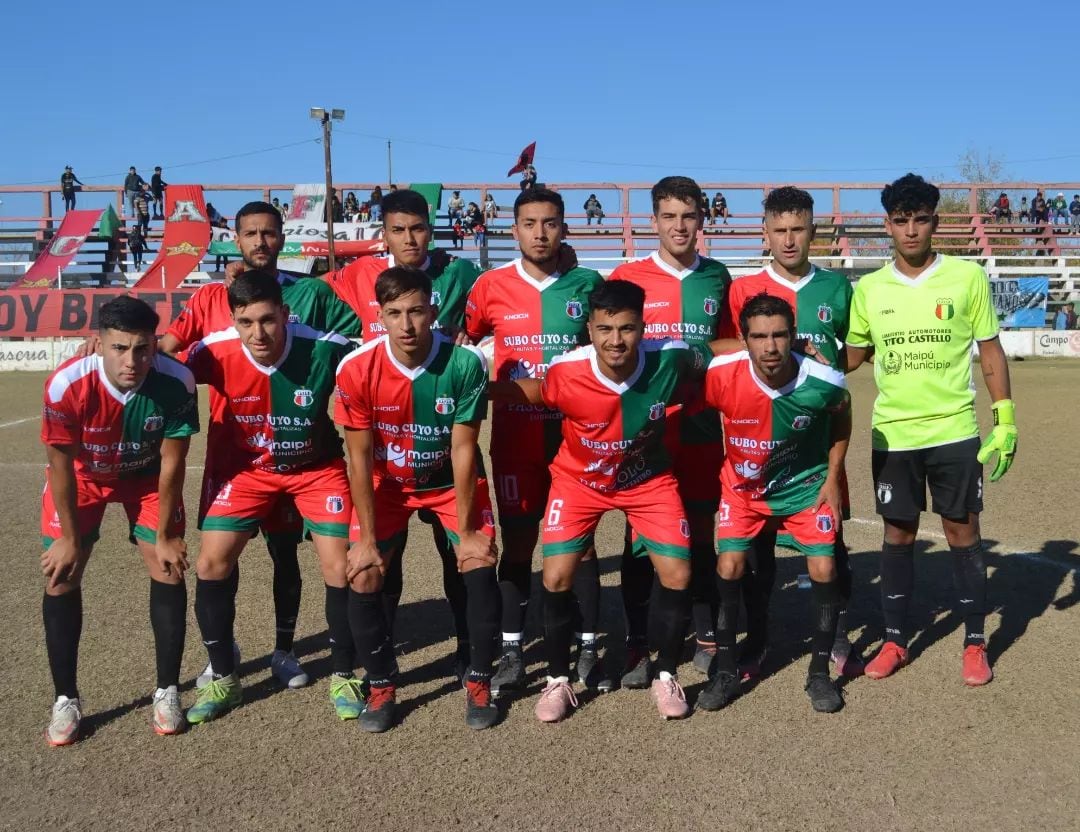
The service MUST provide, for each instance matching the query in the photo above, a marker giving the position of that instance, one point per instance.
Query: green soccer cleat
(217, 698)
(347, 695)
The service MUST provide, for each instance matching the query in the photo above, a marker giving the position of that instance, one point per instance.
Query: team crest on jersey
(891, 362)
(656, 411)
(801, 422)
(824, 523)
(944, 309)
(712, 305)
(884, 493)
(444, 405)
(748, 470)
(684, 527)
(153, 423)
(436, 298)
(335, 504)
(303, 397)
(824, 313)
(574, 309)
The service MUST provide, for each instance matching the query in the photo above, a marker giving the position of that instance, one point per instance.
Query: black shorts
(952, 471)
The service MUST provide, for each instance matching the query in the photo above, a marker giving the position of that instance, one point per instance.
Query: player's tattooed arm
(474, 549)
(62, 562)
(519, 391)
(170, 549)
(364, 553)
(995, 369)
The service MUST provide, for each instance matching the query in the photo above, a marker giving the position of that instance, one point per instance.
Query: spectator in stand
(528, 177)
(457, 234)
(142, 210)
(133, 186)
(474, 222)
(365, 212)
(375, 203)
(1074, 215)
(352, 207)
(284, 211)
(214, 215)
(68, 181)
(593, 208)
(221, 261)
(703, 206)
(136, 245)
(157, 190)
(1025, 213)
(277, 206)
(1040, 211)
(455, 208)
(1061, 210)
(1065, 317)
(719, 208)
(337, 210)
(1001, 211)
(491, 210)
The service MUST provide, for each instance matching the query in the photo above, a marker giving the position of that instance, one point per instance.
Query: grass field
(917, 751)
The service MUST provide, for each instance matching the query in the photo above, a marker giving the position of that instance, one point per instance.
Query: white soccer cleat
(63, 727)
(168, 715)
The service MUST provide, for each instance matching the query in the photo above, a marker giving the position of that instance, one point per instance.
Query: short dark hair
(405, 202)
(254, 287)
(613, 296)
(540, 195)
(764, 304)
(128, 314)
(789, 200)
(908, 194)
(255, 208)
(682, 188)
(400, 280)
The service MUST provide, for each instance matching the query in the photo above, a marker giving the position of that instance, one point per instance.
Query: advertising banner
(37, 313)
(1020, 302)
(72, 233)
(186, 238)
(1058, 343)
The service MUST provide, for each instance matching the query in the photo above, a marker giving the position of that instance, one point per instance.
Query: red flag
(524, 160)
(70, 236)
(187, 234)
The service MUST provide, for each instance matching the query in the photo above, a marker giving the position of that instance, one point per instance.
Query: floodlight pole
(329, 191)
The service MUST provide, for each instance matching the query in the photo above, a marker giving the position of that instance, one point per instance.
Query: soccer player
(685, 298)
(821, 299)
(920, 314)
(411, 403)
(787, 423)
(272, 437)
(260, 239)
(614, 395)
(535, 313)
(116, 426)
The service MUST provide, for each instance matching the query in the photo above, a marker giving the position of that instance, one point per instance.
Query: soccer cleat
(751, 661)
(556, 700)
(977, 669)
(847, 662)
(669, 697)
(480, 711)
(63, 727)
(719, 691)
(346, 693)
(168, 716)
(890, 658)
(288, 670)
(378, 713)
(510, 674)
(824, 694)
(590, 671)
(703, 657)
(207, 676)
(216, 699)
(637, 672)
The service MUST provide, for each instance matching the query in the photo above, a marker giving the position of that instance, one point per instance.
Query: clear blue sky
(610, 91)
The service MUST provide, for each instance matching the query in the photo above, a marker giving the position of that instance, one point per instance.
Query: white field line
(19, 421)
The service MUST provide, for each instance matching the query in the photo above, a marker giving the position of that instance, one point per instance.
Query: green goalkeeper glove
(1002, 439)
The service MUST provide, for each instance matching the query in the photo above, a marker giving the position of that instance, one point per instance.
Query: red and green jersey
(776, 442)
(450, 284)
(821, 301)
(412, 412)
(272, 418)
(614, 432)
(118, 433)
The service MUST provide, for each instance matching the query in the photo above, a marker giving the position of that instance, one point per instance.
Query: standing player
(411, 403)
(685, 298)
(786, 429)
(259, 238)
(535, 313)
(116, 426)
(272, 437)
(920, 314)
(614, 395)
(821, 299)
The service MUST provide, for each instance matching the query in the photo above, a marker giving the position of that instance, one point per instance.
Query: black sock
(483, 615)
(287, 584)
(558, 631)
(62, 615)
(897, 583)
(727, 623)
(453, 586)
(704, 602)
(969, 572)
(215, 610)
(168, 619)
(826, 603)
(587, 592)
(371, 635)
(514, 581)
(342, 653)
(234, 580)
(393, 583)
(637, 582)
(667, 624)
(843, 569)
(757, 586)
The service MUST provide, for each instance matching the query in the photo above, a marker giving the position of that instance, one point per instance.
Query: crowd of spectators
(1041, 210)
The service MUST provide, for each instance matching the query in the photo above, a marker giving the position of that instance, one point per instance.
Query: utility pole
(389, 165)
(325, 116)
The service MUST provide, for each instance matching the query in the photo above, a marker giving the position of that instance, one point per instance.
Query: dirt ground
(917, 751)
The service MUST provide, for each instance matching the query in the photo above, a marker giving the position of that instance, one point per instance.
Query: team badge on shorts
(656, 411)
(824, 523)
(303, 397)
(801, 422)
(684, 527)
(824, 313)
(153, 423)
(574, 310)
(884, 493)
(335, 504)
(444, 405)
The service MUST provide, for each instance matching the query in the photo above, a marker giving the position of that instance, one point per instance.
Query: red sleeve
(190, 324)
(344, 282)
(202, 363)
(714, 387)
(351, 406)
(477, 322)
(551, 387)
(61, 423)
(729, 316)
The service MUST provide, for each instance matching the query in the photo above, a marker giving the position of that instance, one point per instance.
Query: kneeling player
(786, 426)
(273, 439)
(116, 427)
(614, 396)
(411, 403)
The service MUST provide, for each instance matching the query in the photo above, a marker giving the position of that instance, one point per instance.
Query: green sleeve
(472, 386)
(182, 417)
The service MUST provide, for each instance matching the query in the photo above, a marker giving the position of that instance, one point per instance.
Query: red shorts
(243, 501)
(522, 447)
(697, 469)
(811, 531)
(393, 508)
(283, 519)
(653, 509)
(139, 496)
